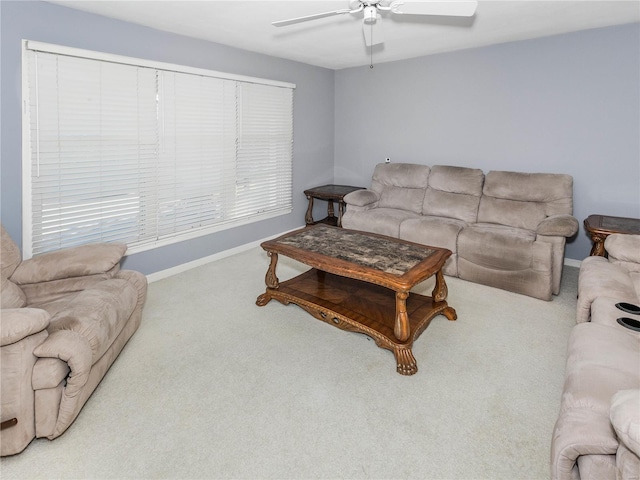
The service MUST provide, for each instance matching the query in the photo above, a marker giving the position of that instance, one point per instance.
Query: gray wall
(313, 111)
(568, 103)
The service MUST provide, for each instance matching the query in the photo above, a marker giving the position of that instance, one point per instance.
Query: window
(121, 149)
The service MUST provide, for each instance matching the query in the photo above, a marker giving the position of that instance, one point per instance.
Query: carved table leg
(598, 244)
(405, 361)
(270, 279)
(440, 291)
(330, 210)
(401, 328)
(450, 313)
(308, 217)
(340, 212)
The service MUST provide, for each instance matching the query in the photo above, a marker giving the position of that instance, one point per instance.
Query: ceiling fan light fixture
(370, 15)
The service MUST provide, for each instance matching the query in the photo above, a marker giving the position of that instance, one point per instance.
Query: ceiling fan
(372, 20)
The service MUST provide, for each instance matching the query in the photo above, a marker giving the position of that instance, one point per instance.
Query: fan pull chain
(371, 47)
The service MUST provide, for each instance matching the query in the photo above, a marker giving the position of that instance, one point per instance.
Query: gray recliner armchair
(66, 315)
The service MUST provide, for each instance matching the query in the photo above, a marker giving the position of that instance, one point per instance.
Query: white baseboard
(570, 262)
(154, 277)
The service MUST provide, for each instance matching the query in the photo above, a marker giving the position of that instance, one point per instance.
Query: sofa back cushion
(624, 250)
(11, 295)
(10, 256)
(400, 185)
(453, 192)
(523, 200)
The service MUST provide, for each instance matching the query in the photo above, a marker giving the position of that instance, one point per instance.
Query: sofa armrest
(558, 225)
(362, 198)
(579, 431)
(81, 261)
(73, 349)
(138, 280)
(19, 323)
(625, 418)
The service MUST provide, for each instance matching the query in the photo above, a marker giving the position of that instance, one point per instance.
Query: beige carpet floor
(214, 387)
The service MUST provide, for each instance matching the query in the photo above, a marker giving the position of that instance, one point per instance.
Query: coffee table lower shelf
(362, 307)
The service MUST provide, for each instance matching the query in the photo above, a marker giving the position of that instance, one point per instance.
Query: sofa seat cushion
(384, 221)
(435, 231)
(46, 292)
(438, 232)
(601, 360)
(497, 247)
(98, 314)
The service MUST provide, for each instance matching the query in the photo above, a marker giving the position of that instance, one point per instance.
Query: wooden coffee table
(360, 282)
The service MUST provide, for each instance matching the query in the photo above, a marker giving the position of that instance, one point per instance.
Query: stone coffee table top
(359, 248)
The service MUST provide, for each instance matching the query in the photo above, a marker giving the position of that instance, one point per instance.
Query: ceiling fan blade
(315, 16)
(373, 32)
(454, 8)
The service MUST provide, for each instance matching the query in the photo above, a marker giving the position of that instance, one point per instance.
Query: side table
(330, 193)
(601, 226)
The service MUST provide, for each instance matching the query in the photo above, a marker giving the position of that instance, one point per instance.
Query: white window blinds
(146, 154)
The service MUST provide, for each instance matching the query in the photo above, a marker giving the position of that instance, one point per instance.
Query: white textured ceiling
(337, 42)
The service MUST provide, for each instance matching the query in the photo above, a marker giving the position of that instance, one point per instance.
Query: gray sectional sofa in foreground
(597, 434)
(505, 229)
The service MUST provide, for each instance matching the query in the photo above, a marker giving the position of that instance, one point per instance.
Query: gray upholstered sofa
(66, 315)
(504, 229)
(597, 434)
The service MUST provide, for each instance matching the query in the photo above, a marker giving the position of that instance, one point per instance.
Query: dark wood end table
(601, 226)
(330, 193)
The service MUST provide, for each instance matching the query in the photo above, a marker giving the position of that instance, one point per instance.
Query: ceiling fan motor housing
(357, 4)
(370, 15)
